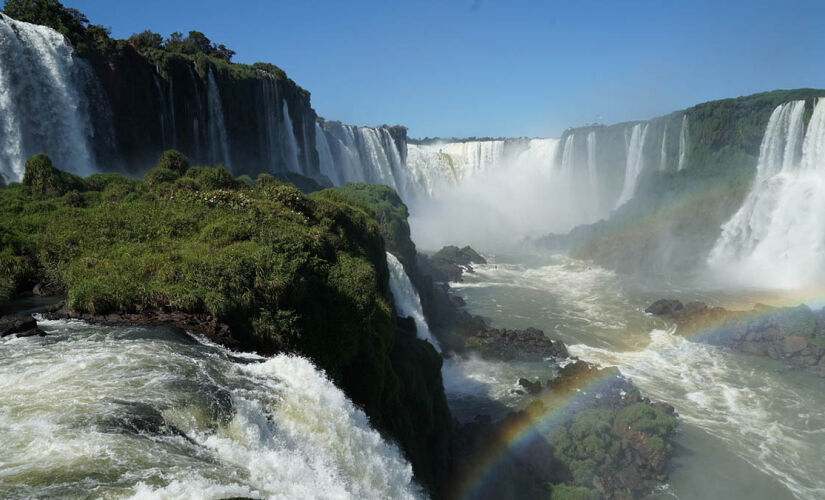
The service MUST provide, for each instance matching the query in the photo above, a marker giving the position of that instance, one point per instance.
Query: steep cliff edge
(260, 268)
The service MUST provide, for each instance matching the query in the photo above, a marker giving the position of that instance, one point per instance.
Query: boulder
(22, 326)
(795, 344)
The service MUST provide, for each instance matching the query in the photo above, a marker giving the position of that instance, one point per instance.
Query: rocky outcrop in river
(795, 335)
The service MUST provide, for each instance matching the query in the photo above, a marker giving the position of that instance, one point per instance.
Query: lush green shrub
(212, 177)
(48, 182)
(265, 179)
(565, 492)
(245, 180)
(174, 160)
(644, 418)
(158, 176)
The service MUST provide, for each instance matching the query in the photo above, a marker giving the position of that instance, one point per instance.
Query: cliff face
(251, 118)
(689, 171)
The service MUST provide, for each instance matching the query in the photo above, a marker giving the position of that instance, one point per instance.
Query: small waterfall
(683, 140)
(292, 150)
(144, 412)
(218, 139)
(43, 100)
(593, 173)
(777, 238)
(568, 157)
(663, 150)
(635, 162)
(325, 160)
(407, 301)
(270, 132)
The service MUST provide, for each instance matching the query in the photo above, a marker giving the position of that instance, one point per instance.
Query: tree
(146, 39)
(69, 22)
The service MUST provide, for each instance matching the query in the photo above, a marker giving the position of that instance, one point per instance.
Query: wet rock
(531, 387)
(795, 343)
(526, 345)
(22, 326)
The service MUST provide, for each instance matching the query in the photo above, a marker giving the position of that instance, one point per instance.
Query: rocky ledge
(588, 433)
(792, 334)
(507, 345)
(198, 323)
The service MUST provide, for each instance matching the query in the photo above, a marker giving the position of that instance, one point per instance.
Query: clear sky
(503, 68)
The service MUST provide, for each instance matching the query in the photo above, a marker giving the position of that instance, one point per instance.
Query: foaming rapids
(773, 420)
(146, 413)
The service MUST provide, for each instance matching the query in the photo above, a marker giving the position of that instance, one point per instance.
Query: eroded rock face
(792, 334)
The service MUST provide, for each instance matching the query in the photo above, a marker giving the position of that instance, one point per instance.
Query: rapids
(128, 412)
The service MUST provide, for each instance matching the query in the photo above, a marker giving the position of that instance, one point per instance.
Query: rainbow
(535, 421)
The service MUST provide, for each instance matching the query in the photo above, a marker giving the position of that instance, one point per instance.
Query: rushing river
(127, 412)
(751, 427)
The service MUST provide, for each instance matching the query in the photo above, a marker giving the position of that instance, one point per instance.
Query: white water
(145, 413)
(407, 301)
(683, 139)
(292, 150)
(777, 238)
(43, 106)
(218, 139)
(635, 162)
(750, 428)
(771, 420)
(363, 154)
(663, 150)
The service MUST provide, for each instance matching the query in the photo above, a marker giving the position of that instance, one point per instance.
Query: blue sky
(496, 68)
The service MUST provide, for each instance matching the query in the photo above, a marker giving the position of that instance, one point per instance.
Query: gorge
(237, 297)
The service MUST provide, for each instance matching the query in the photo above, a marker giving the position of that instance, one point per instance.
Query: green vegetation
(589, 444)
(285, 271)
(566, 492)
(45, 181)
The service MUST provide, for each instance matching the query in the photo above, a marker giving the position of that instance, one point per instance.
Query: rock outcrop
(792, 334)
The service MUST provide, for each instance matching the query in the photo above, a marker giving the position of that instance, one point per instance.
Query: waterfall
(326, 162)
(777, 238)
(270, 132)
(43, 100)
(146, 412)
(364, 154)
(683, 139)
(218, 139)
(407, 302)
(635, 162)
(568, 156)
(292, 149)
(663, 150)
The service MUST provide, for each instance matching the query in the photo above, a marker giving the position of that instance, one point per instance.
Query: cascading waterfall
(292, 149)
(43, 100)
(777, 238)
(363, 154)
(683, 139)
(663, 150)
(635, 162)
(218, 139)
(407, 302)
(149, 413)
